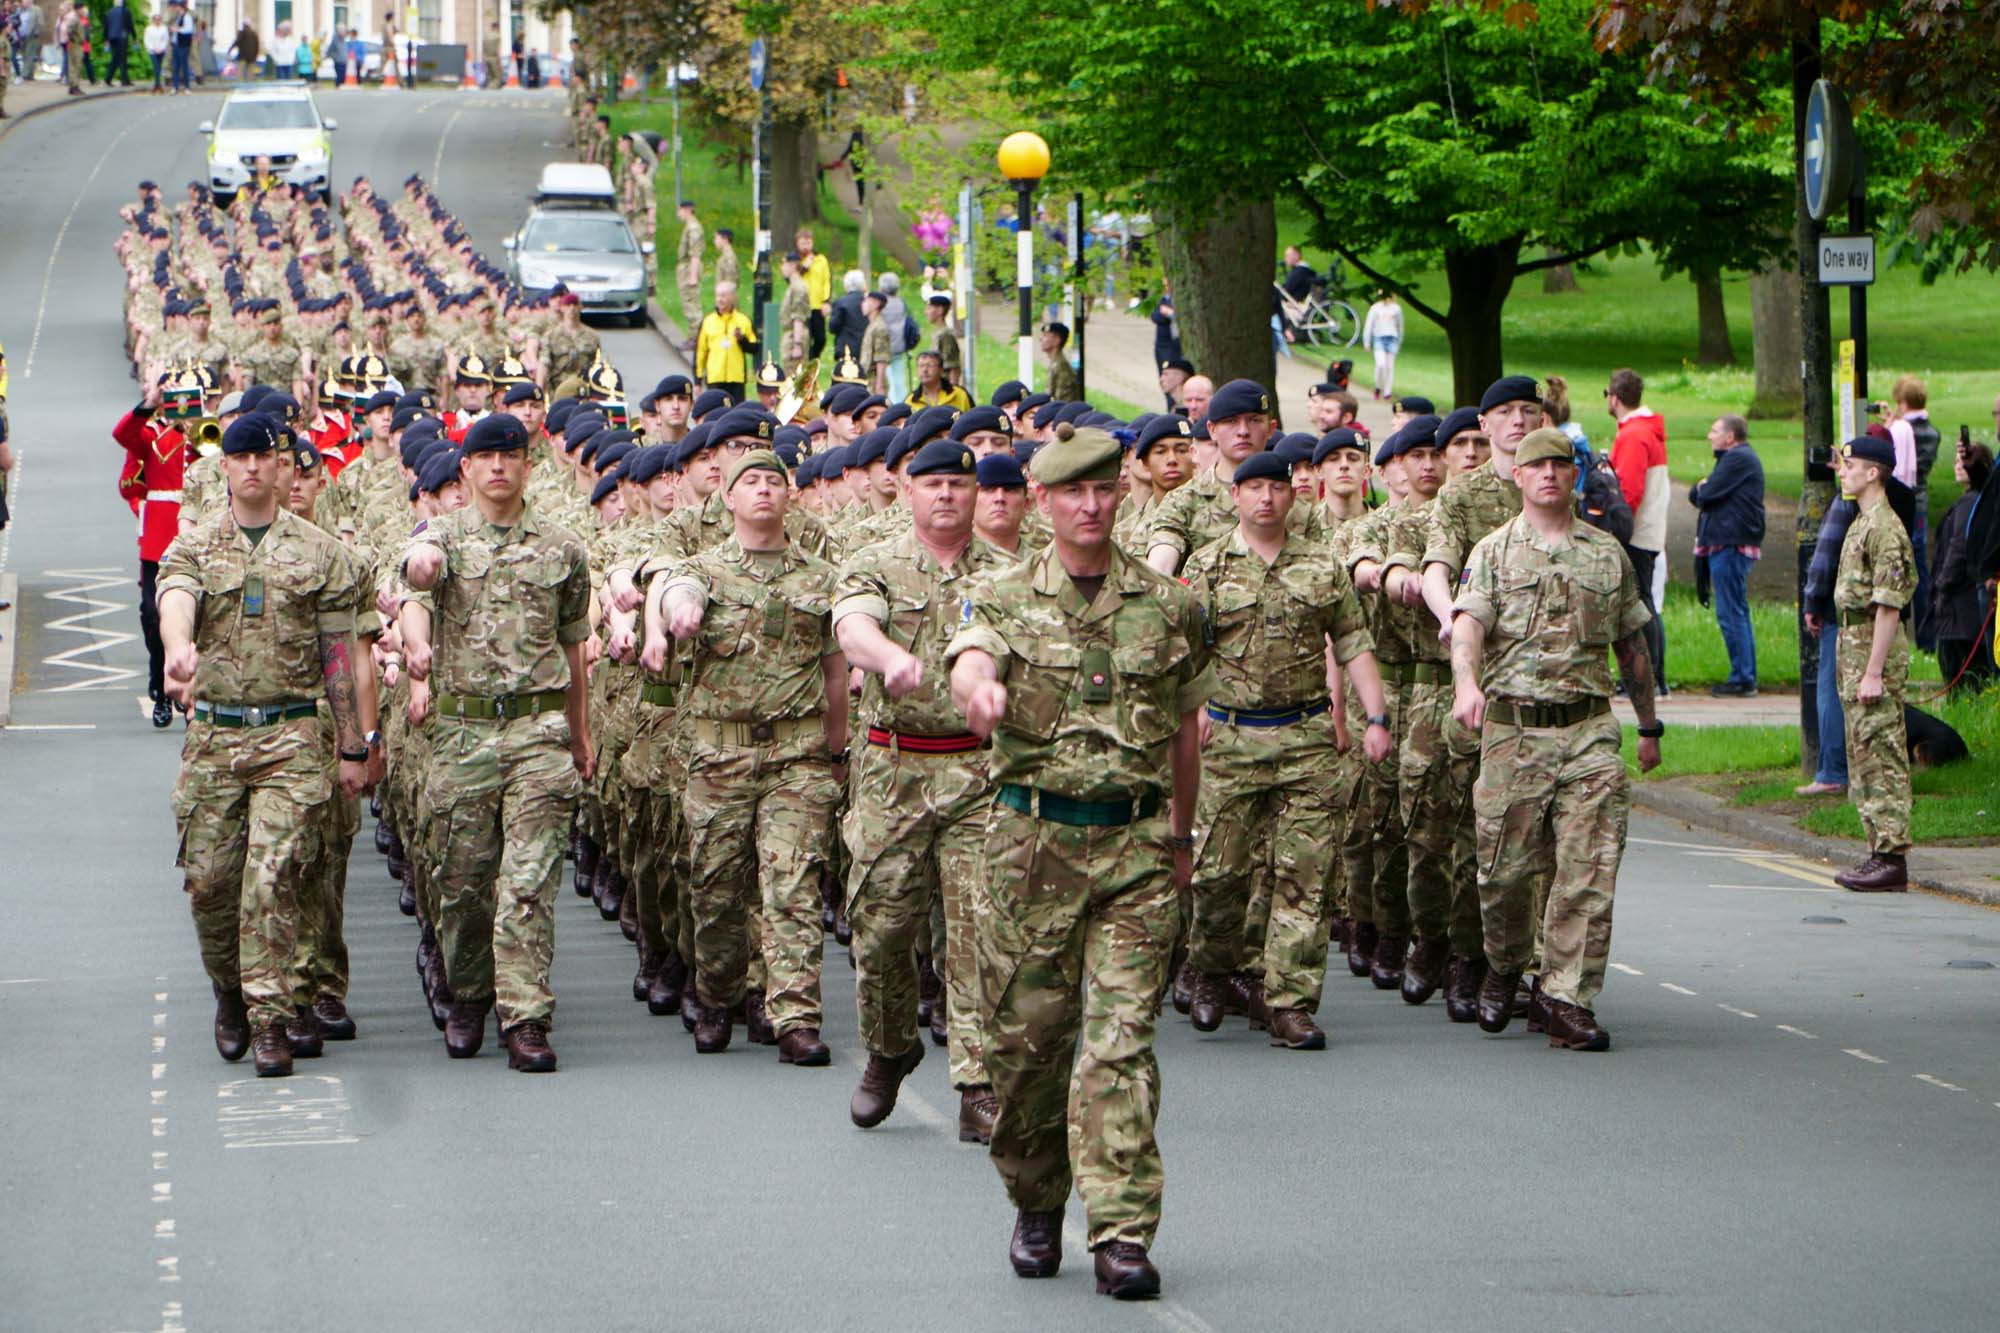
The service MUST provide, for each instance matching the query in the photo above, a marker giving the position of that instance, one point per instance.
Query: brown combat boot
(1385, 968)
(1572, 1027)
(528, 1048)
(802, 1046)
(1496, 1000)
(875, 1096)
(232, 1025)
(1243, 993)
(1295, 1030)
(668, 986)
(465, 1029)
(1538, 1010)
(757, 1028)
(1206, 1002)
(1425, 970)
(335, 1023)
(1361, 941)
(271, 1051)
(978, 1108)
(1036, 1247)
(302, 1031)
(1125, 1273)
(1183, 990)
(1461, 988)
(712, 1026)
(1883, 872)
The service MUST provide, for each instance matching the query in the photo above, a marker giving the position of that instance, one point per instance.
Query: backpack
(912, 335)
(1602, 504)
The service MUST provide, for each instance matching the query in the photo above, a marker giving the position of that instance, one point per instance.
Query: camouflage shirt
(1269, 623)
(259, 610)
(1195, 514)
(1877, 564)
(1095, 692)
(506, 603)
(693, 529)
(275, 364)
(764, 629)
(1551, 612)
(1471, 505)
(917, 603)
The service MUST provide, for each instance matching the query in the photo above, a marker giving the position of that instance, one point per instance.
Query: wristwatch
(1181, 842)
(1654, 732)
(354, 756)
(837, 756)
(1379, 720)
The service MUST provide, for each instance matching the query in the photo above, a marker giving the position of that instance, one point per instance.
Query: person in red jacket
(156, 461)
(329, 427)
(1639, 457)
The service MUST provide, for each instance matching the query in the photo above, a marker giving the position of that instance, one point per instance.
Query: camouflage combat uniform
(501, 783)
(1076, 915)
(1195, 514)
(250, 787)
(1877, 568)
(1552, 788)
(1375, 854)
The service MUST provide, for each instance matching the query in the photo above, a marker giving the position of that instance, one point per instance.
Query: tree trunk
(1479, 280)
(1712, 337)
(1561, 278)
(1774, 342)
(794, 200)
(1218, 256)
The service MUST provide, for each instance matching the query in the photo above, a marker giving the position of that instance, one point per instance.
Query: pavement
(1795, 1129)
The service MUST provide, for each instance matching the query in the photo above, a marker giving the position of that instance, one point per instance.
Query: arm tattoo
(337, 665)
(1637, 669)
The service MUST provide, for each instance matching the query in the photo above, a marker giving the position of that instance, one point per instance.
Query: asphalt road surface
(1796, 1127)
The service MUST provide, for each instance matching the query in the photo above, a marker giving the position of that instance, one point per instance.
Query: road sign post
(762, 314)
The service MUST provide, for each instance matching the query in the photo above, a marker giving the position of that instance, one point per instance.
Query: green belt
(254, 715)
(1525, 714)
(502, 708)
(1413, 673)
(1865, 616)
(658, 693)
(1089, 814)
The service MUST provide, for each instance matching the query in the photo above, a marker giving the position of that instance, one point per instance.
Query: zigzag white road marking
(102, 677)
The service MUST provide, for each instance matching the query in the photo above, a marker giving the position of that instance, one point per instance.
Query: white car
(279, 121)
(575, 235)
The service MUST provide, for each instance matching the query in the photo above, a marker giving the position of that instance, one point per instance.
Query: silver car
(276, 123)
(576, 237)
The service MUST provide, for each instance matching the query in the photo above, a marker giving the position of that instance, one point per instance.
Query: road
(1796, 1127)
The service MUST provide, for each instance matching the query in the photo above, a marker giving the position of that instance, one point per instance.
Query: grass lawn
(1957, 801)
(1695, 656)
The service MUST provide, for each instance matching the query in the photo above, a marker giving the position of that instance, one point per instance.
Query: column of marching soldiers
(1050, 718)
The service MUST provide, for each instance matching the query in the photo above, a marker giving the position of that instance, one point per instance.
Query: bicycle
(1320, 319)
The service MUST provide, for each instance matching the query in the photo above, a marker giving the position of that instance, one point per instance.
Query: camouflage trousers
(1073, 931)
(1374, 858)
(1551, 802)
(321, 966)
(1267, 805)
(246, 806)
(501, 795)
(1878, 756)
(915, 831)
(1437, 762)
(654, 774)
(759, 822)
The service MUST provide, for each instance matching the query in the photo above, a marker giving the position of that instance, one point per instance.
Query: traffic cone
(513, 74)
(555, 79)
(353, 79)
(389, 72)
(469, 81)
(631, 81)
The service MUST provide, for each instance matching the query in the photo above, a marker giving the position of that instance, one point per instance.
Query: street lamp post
(1024, 160)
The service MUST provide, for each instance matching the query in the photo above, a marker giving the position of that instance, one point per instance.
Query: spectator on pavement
(181, 23)
(27, 41)
(1729, 534)
(72, 48)
(1916, 442)
(118, 33)
(158, 42)
(1830, 774)
(726, 347)
(896, 318)
(846, 321)
(1166, 327)
(1639, 456)
(1194, 397)
(245, 51)
(874, 355)
(1174, 372)
(1961, 603)
(1382, 334)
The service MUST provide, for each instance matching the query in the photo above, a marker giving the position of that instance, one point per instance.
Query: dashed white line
(1628, 971)
(1797, 1032)
(170, 1268)
(163, 1191)
(1678, 990)
(1732, 1009)
(924, 1112)
(1862, 1055)
(1936, 1082)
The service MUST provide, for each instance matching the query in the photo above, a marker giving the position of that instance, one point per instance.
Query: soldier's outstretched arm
(414, 622)
(869, 649)
(833, 675)
(1437, 596)
(1635, 667)
(976, 691)
(1468, 646)
(576, 707)
(177, 608)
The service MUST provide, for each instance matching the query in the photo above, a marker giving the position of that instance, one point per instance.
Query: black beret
(944, 456)
(379, 401)
(558, 415)
(793, 435)
(1341, 437)
(1180, 363)
(1461, 420)
(1295, 449)
(405, 418)
(710, 400)
(894, 415)
(1001, 470)
(807, 472)
(1866, 447)
(496, 433)
(1262, 464)
(981, 418)
(674, 386)
(845, 398)
(417, 398)
(606, 487)
(521, 393)
(931, 423)
(439, 470)
(251, 433)
(610, 453)
(1013, 391)
(744, 419)
(788, 454)
(1236, 398)
(872, 400)
(1032, 402)
(1161, 428)
(872, 447)
(254, 396)
(1074, 413)
(1509, 389)
(1057, 327)
(696, 440)
(833, 462)
(1418, 430)
(1416, 406)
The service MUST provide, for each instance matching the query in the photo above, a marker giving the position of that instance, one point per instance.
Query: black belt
(1525, 714)
(1267, 717)
(506, 706)
(254, 715)
(1087, 814)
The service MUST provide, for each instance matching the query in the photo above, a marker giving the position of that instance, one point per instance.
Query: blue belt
(1266, 717)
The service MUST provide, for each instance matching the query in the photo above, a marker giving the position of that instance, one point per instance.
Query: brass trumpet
(207, 432)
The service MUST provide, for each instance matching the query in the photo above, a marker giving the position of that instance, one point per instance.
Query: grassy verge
(1696, 657)
(1759, 767)
(997, 359)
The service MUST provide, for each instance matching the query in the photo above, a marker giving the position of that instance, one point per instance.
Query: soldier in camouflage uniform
(1239, 421)
(1276, 606)
(257, 613)
(509, 614)
(570, 348)
(1874, 583)
(272, 359)
(1542, 598)
(1088, 670)
(917, 824)
(416, 355)
(687, 268)
(765, 716)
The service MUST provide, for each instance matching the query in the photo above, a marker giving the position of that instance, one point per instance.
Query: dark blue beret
(981, 418)
(1238, 397)
(1509, 389)
(710, 400)
(498, 432)
(252, 433)
(1416, 406)
(1866, 447)
(1001, 470)
(1262, 464)
(440, 469)
(1013, 391)
(944, 456)
(1341, 437)
(606, 486)
(1163, 427)
(871, 448)
(1461, 420)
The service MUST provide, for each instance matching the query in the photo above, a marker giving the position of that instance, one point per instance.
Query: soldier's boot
(302, 1031)
(232, 1024)
(928, 990)
(271, 1052)
(1361, 941)
(1206, 1004)
(1524, 995)
(711, 1025)
(875, 1095)
(1036, 1247)
(1125, 1273)
(399, 869)
(335, 1023)
(385, 837)
(1385, 968)
(528, 1048)
(1572, 1027)
(1883, 872)
(1425, 970)
(1295, 1030)
(609, 888)
(1243, 993)
(1461, 989)
(628, 911)
(843, 932)
(757, 1028)
(802, 1046)
(669, 985)
(642, 980)
(829, 898)
(978, 1108)
(587, 857)
(1496, 1000)
(465, 1028)
(941, 1020)
(406, 895)
(1183, 990)
(1538, 1008)
(163, 712)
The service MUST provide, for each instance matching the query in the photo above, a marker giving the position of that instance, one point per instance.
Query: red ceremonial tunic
(156, 461)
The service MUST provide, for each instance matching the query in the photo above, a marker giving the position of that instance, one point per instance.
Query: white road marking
(159, 1161)
(925, 1112)
(1773, 888)
(1732, 1009)
(1862, 1055)
(170, 1318)
(93, 580)
(49, 273)
(1628, 971)
(170, 1268)
(54, 726)
(25, 981)
(164, 1228)
(1936, 1082)
(1797, 1032)
(163, 1191)
(437, 164)
(303, 1112)
(1709, 847)
(1678, 990)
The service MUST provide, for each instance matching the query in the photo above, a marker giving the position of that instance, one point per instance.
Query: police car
(575, 235)
(279, 121)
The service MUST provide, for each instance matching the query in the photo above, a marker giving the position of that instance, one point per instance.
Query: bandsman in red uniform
(156, 459)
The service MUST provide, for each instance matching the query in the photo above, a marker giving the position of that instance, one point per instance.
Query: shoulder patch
(965, 611)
